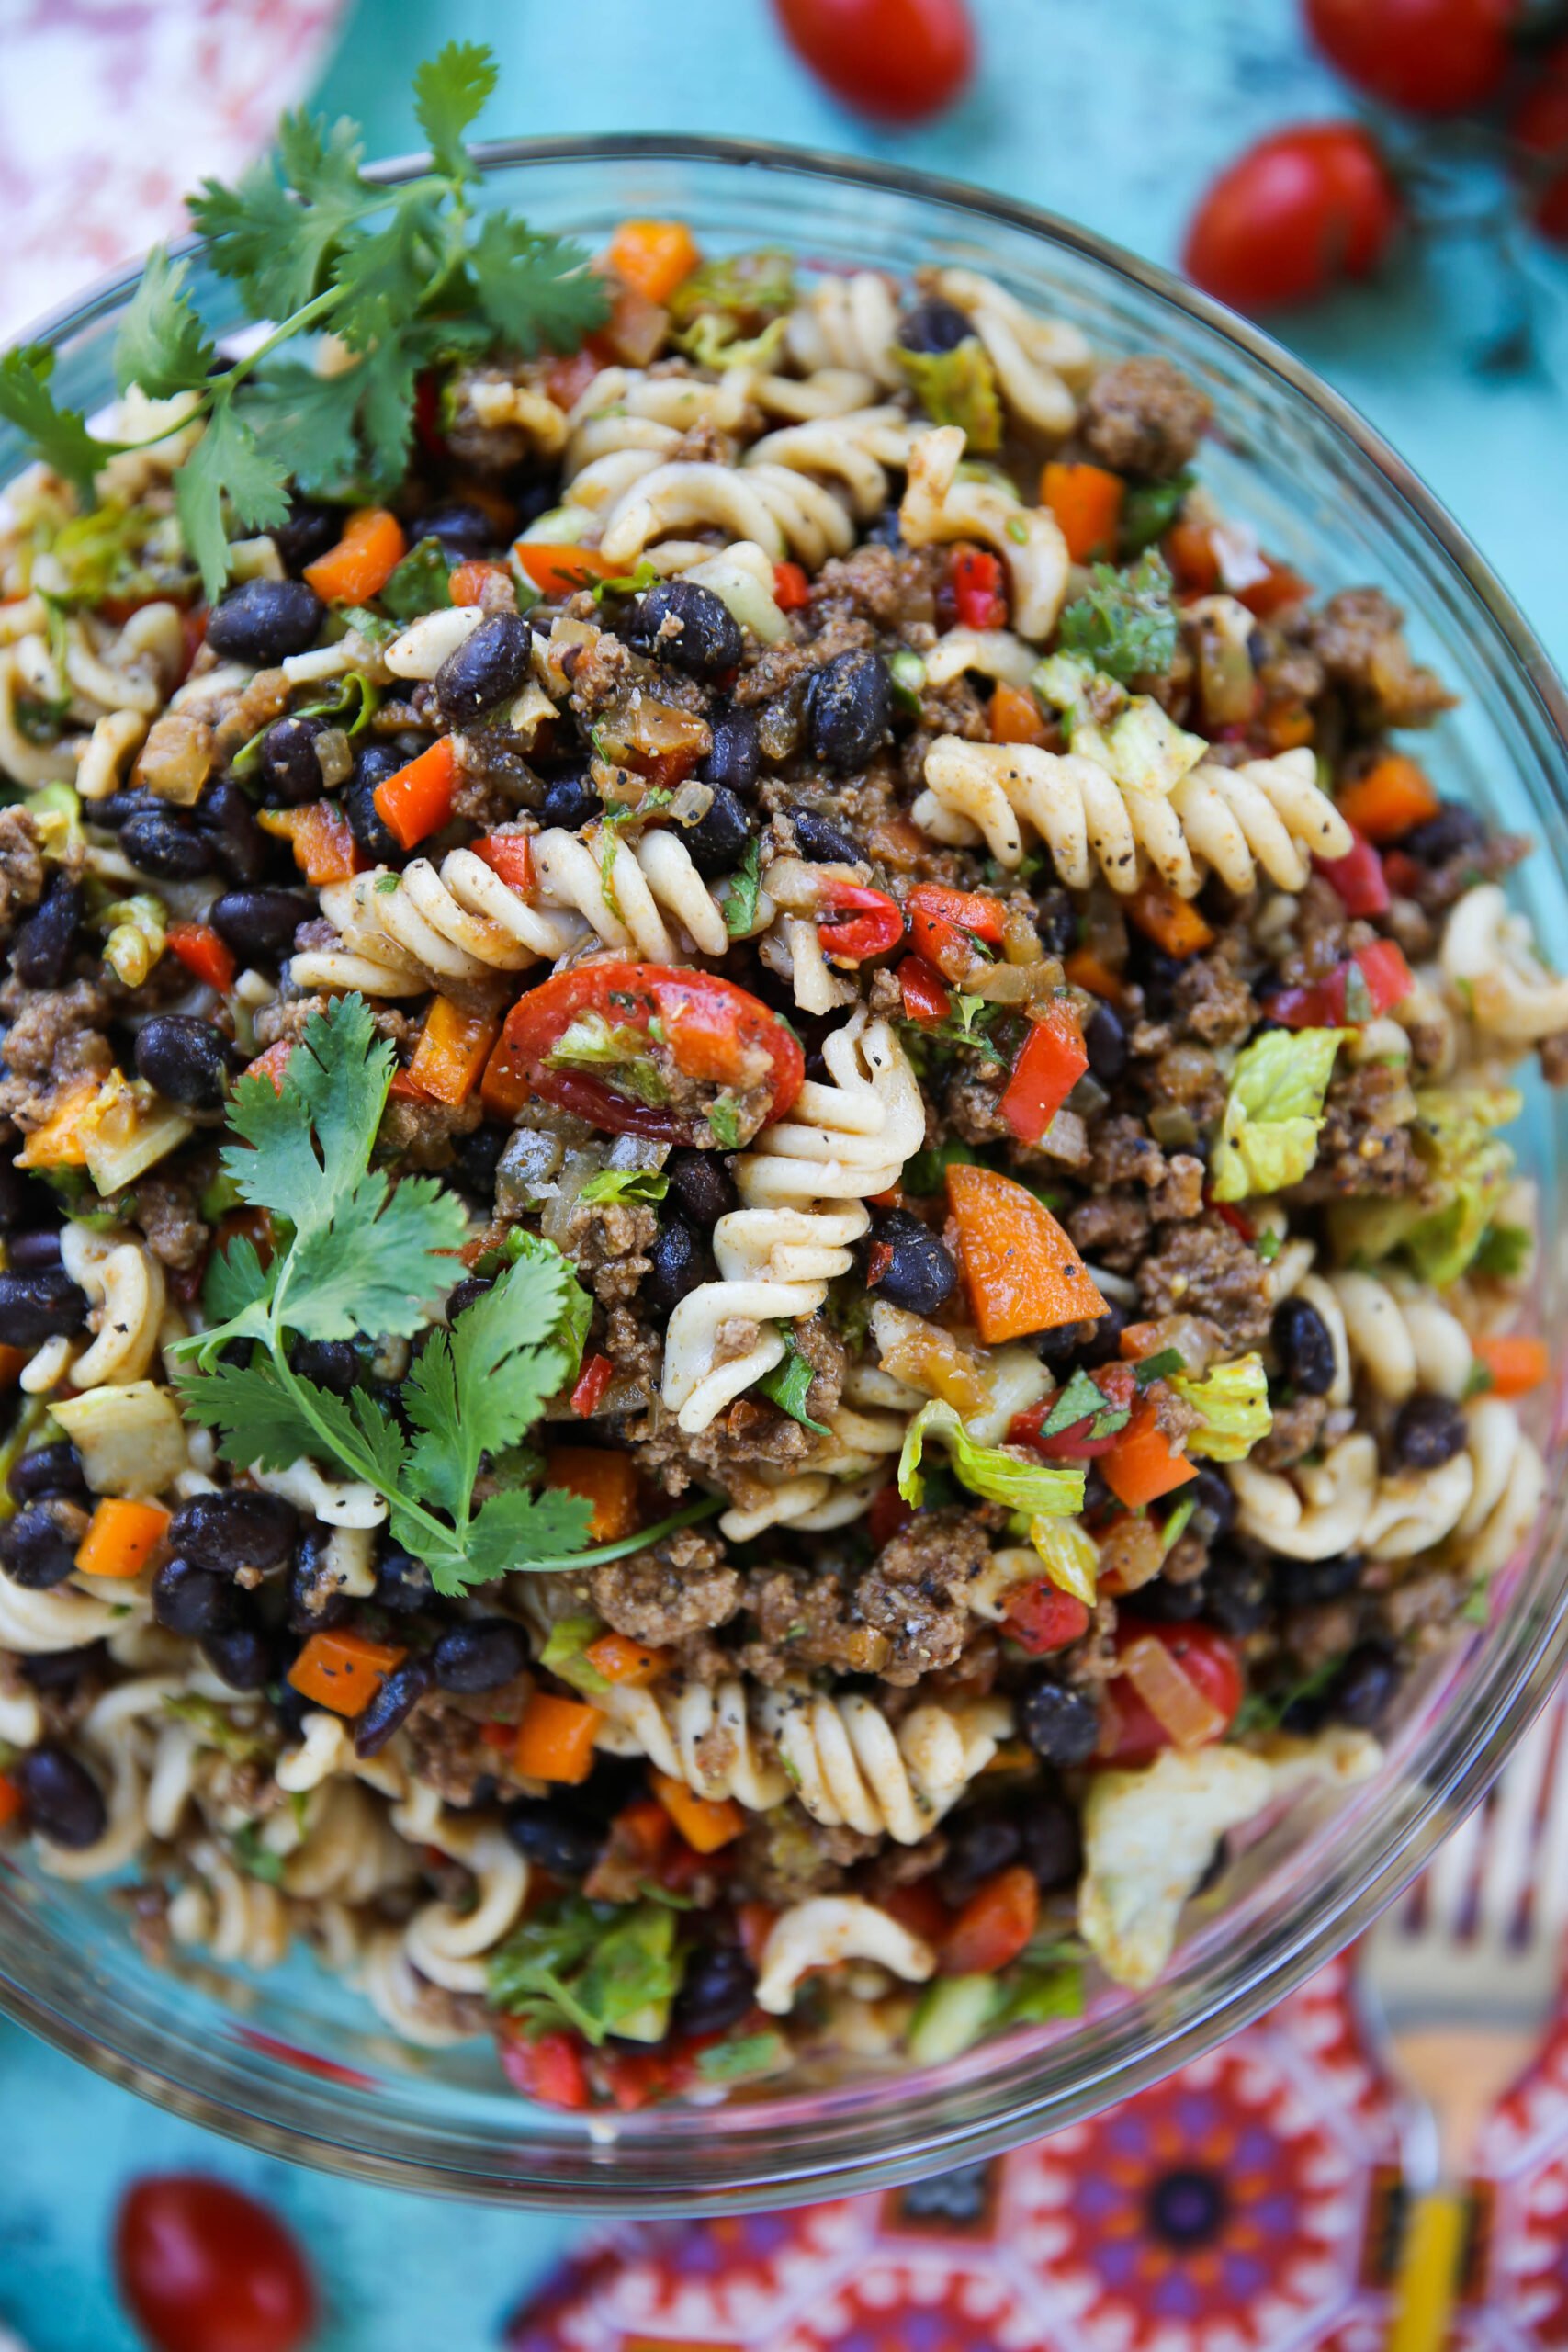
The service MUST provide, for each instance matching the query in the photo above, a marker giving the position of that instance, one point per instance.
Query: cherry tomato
(1295, 214)
(717, 1033)
(1040, 1618)
(897, 60)
(1427, 56)
(1541, 126)
(1209, 1661)
(203, 2268)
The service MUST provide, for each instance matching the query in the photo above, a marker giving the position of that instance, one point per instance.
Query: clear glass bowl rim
(294, 2118)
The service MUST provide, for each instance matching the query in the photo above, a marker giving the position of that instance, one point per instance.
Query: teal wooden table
(1116, 115)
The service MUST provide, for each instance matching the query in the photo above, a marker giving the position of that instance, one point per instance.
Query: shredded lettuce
(712, 343)
(563, 1654)
(957, 387)
(597, 1968)
(1043, 1489)
(1125, 621)
(1274, 1110)
(618, 1186)
(56, 813)
(745, 290)
(1141, 745)
(1234, 1401)
(1469, 1166)
(1070, 1557)
(618, 1054)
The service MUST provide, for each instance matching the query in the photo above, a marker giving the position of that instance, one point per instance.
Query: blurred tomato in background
(204, 2267)
(896, 61)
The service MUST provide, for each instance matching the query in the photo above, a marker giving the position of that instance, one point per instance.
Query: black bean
(310, 531)
(736, 754)
(315, 1597)
(44, 945)
(934, 326)
(21, 1199)
(570, 802)
(1454, 830)
(463, 1293)
(1361, 1690)
(63, 1802)
(558, 1835)
(461, 528)
(480, 1654)
(1429, 1431)
(1301, 1584)
(1105, 1042)
(822, 842)
(1171, 1604)
(289, 1709)
(921, 1276)
(35, 1307)
(1053, 1847)
(679, 1265)
(46, 1470)
(718, 840)
(488, 666)
(40, 1546)
(166, 845)
(701, 1185)
(31, 1252)
(241, 1656)
(238, 1528)
(885, 529)
(287, 764)
(331, 1363)
(1214, 1503)
(402, 1584)
(1103, 1344)
(718, 1990)
(259, 925)
(851, 701)
(479, 1155)
(264, 621)
(1157, 973)
(227, 820)
(686, 625)
(192, 1600)
(1056, 921)
(1306, 1346)
(978, 1845)
(392, 1707)
(64, 1669)
(186, 1059)
(1060, 1721)
(366, 821)
(1236, 1593)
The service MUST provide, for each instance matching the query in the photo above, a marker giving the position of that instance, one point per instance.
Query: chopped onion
(1170, 1695)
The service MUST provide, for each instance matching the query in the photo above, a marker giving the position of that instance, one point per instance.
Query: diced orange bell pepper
(453, 1049)
(61, 1140)
(1171, 922)
(1280, 586)
(342, 1670)
(1515, 1361)
(201, 951)
(121, 1538)
(1086, 970)
(1017, 717)
(1140, 1465)
(11, 1801)
(1390, 800)
(1189, 551)
(1021, 1272)
(418, 800)
(609, 1481)
(320, 837)
(630, 1665)
(558, 571)
(555, 1738)
(994, 1925)
(704, 1823)
(363, 560)
(1087, 503)
(466, 583)
(653, 256)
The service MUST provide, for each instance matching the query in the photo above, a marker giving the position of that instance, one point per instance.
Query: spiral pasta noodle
(850, 1768)
(938, 506)
(1490, 961)
(1042, 364)
(698, 1732)
(847, 322)
(827, 1932)
(455, 928)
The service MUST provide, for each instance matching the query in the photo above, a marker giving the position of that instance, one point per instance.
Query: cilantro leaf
(617, 1186)
(277, 237)
(58, 435)
(536, 290)
(450, 92)
(228, 462)
(477, 1388)
(1125, 622)
(535, 1533)
(788, 1384)
(308, 422)
(268, 1427)
(419, 583)
(162, 345)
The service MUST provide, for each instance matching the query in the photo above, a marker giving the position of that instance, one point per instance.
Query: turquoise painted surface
(1117, 115)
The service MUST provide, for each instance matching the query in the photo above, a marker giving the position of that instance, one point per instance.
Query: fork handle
(1429, 2271)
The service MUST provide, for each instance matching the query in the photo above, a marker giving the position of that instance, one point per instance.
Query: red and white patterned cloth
(111, 110)
(1246, 2204)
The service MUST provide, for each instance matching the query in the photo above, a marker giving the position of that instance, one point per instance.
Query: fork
(1457, 1984)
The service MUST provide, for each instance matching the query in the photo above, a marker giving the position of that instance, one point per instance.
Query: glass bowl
(293, 2062)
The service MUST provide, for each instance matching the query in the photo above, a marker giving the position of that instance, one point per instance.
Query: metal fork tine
(1509, 1834)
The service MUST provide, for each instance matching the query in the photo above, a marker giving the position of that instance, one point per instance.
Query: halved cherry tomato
(1041, 1618)
(548, 2068)
(924, 990)
(1118, 1386)
(1330, 1004)
(980, 587)
(944, 924)
(858, 922)
(717, 1035)
(1296, 213)
(1133, 1733)
(1426, 56)
(896, 61)
(204, 2267)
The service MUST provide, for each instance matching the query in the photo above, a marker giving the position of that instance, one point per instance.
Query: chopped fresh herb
(1269, 1246)
(724, 1122)
(254, 1859)
(1176, 1525)
(1149, 508)
(1158, 1367)
(1125, 621)
(1265, 1711)
(1080, 1399)
(420, 582)
(614, 1186)
(743, 891)
(595, 1968)
(788, 1384)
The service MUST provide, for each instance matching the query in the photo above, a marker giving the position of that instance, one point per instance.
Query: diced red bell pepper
(636, 2078)
(549, 2069)
(592, 1383)
(994, 1925)
(1329, 1003)
(509, 855)
(566, 381)
(1358, 878)
(1280, 586)
(791, 587)
(1050, 1063)
(859, 922)
(1118, 1386)
(944, 924)
(920, 1908)
(201, 951)
(1238, 1221)
(888, 1516)
(925, 992)
(427, 414)
(1401, 872)
(980, 587)
(1041, 1618)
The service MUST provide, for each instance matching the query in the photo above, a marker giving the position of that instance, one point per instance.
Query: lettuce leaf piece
(1141, 745)
(711, 342)
(618, 1186)
(1234, 1401)
(748, 291)
(1043, 1489)
(1469, 1166)
(1125, 621)
(1274, 1110)
(563, 1654)
(1069, 1555)
(597, 1968)
(957, 387)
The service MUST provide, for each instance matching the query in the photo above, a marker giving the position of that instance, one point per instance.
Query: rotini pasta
(1490, 961)
(938, 506)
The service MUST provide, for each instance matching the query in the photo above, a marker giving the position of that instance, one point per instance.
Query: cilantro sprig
(359, 1254)
(405, 277)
